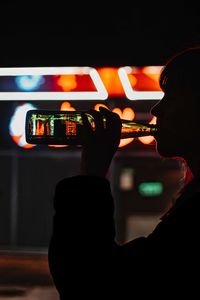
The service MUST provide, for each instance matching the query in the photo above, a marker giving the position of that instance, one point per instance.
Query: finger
(86, 124)
(98, 121)
(113, 121)
(86, 130)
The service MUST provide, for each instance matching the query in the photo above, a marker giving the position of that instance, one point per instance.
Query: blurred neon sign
(133, 93)
(99, 93)
(80, 83)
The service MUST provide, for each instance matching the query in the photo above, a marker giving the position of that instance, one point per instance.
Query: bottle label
(56, 128)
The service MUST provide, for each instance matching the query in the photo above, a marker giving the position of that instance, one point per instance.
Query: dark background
(96, 33)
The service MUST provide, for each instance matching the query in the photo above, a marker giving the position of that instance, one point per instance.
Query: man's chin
(165, 151)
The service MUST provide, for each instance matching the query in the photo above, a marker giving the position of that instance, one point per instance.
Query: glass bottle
(65, 127)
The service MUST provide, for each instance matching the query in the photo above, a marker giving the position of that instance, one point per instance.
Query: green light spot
(150, 189)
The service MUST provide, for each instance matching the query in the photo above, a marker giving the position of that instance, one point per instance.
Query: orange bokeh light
(111, 81)
(67, 106)
(67, 82)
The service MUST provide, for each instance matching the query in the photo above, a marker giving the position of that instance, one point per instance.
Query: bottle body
(65, 127)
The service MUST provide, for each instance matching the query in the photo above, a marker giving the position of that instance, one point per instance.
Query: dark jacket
(83, 251)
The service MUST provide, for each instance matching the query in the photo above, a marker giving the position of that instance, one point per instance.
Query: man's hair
(183, 68)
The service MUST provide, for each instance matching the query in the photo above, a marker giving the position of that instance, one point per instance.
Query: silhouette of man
(83, 252)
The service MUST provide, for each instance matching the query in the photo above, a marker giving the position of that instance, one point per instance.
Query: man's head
(178, 113)
(182, 69)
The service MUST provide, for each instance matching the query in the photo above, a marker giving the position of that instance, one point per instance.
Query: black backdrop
(80, 33)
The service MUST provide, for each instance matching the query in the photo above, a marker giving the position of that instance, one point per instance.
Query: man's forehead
(172, 84)
(166, 84)
(165, 81)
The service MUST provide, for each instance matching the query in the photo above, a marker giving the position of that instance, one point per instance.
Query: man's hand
(99, 145)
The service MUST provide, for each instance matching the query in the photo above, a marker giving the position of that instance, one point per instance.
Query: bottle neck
(137, 129)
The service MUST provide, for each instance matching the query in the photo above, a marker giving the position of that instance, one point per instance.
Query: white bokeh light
(17, 124)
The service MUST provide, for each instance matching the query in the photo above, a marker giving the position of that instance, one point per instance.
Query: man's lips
(159, 126)
(159, 130)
